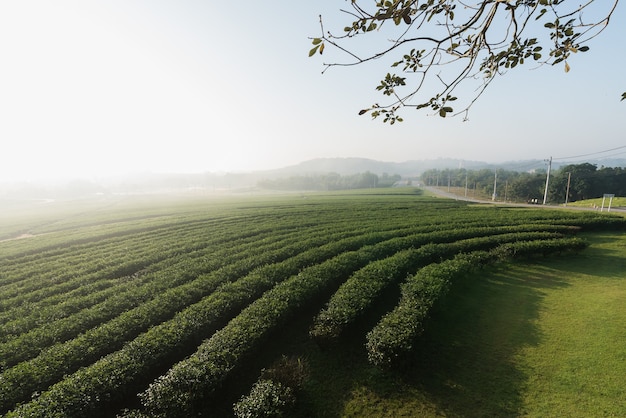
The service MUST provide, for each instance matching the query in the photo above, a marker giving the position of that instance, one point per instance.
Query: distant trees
(478, 182)
(331, 181)
(586, 181)
(527, 186)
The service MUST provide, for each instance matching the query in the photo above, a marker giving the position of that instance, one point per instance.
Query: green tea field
(378, 303)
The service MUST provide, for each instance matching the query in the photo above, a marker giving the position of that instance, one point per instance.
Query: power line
(587, 155)
(525, 165)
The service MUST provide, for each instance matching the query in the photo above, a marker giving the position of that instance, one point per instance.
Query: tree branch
(438, 42)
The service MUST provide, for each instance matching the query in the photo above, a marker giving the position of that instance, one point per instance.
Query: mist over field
(250, 181)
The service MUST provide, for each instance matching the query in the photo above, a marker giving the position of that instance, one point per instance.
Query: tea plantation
(208, 306)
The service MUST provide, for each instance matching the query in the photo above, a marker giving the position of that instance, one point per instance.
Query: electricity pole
(569, 177)
(495, 181)
(545, 193)
(466, 184)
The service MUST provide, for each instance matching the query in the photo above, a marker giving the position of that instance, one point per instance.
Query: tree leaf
(313, 50)
(567, 68)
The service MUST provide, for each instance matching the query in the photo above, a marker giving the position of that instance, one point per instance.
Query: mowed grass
(578, 367)
(540, 339)
(598, 202)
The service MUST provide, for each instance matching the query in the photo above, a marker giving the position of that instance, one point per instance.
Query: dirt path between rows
(23, 236)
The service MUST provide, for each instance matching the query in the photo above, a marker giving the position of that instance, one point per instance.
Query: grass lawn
(540, 340)
(578, 367)
(597, 203)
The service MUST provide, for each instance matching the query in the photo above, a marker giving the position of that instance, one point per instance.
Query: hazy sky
(91, 88)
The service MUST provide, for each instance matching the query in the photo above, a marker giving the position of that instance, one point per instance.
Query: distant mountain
(347, 166)
(413, 168)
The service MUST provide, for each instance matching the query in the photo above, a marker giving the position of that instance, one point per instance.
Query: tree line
(331, 181)
(569, 183)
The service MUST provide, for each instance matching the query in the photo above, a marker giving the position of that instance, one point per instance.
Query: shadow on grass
(464, 365)
(465, 361)
(601, 259)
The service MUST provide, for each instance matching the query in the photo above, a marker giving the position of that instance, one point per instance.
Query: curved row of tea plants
(190, 382)
(163, 341)
(361, 290)
(151, 290)
(18, 382)
(20, 266)
(393, 337)
(25, 378)
(61, 359)
(132, 255)
(36, 302)
(129, 291)
(49, 295)
(232, 276)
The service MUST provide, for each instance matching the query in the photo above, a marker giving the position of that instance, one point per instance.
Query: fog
(93, 91)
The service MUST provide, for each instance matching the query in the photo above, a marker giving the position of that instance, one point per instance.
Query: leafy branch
(438, 45)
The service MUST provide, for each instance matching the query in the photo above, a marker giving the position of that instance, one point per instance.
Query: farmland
(139, 306)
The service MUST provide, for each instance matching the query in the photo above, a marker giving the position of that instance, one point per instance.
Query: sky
(90, 89)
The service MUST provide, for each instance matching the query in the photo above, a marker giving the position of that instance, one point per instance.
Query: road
(438, 192)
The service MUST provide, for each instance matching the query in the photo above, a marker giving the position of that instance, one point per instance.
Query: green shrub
(266, 399)
(275, 391)
(396, 332)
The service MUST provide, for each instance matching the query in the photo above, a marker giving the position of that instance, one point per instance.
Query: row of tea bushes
(394, 336)
(361, 290)
(178, 392)
(119, 371)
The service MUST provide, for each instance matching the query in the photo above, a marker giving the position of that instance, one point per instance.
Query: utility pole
(545, 193)
(569, 177)
(495, 181)
(466, 184)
